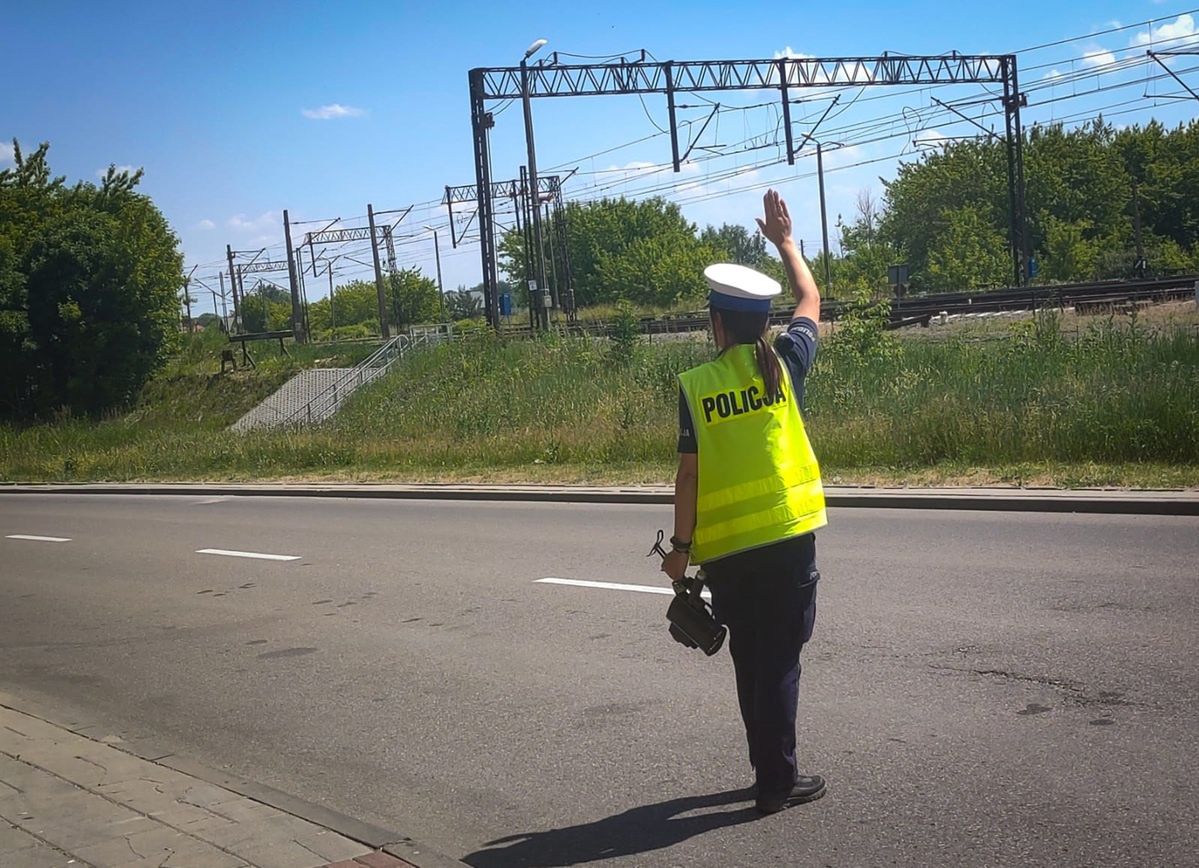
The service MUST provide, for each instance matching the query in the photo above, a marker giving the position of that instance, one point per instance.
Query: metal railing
(328, 401)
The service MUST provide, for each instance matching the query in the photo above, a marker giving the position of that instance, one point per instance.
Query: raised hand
(776, 226)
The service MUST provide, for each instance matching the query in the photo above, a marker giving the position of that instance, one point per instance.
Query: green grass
(1118, 404)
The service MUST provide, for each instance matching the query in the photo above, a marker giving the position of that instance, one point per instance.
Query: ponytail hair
(768, 366)
(745, 327)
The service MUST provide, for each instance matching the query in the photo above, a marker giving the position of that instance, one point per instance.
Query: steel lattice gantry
(671, 77)
(357, 233)
(264, 266)
(548, 186)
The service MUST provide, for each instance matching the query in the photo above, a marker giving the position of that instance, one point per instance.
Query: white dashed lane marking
(38, 538)
(611, 586)
(257, 555)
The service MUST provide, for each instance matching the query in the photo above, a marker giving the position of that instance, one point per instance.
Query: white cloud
(1052, 74)
(1098, 57)
(100, 173)
(930, 138)
(634, 166)
(331, 111)
(206, 224)
(5, 153)
(841, 158)
(822, 74)
(255, 225)
(1179, 31)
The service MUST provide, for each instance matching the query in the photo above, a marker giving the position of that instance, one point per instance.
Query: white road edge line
(258, 555)
(611, 586)
(38, 538)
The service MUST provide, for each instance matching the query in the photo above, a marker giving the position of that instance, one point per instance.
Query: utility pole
(1140, 266)
(332, 311)
(828, 271)
(566, 291)
(535, 309)
(233, 285)
(224, 313)
(303, 289)
(538, 252)
(383, 328)
(553, 259)
(437, 256)
(187, 296)
(297, 310)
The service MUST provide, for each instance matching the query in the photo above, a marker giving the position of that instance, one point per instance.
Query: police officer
(748, 498)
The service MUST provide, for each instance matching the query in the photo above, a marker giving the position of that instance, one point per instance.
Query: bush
(624, 331)
(89, 281)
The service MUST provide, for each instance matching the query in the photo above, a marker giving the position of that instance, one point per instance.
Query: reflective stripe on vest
(759, 481)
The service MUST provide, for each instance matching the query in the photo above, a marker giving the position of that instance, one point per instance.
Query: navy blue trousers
(767, 599)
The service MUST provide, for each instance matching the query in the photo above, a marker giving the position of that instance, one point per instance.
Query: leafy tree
(610, 240)
(656, 271)
(412, 298)
(1085, 188)
(89, 281)
(735, 243)
(1164, 165)
(963, 175)
(866, 255)
(260, 313)
(353, 303)
(1069, 254)
(320, 318)
(274, 293)
(463, 304)
(967, 252)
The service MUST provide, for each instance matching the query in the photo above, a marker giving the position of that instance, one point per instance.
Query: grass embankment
(1118, 404)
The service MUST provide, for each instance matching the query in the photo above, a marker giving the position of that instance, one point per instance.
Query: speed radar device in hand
(690, 616)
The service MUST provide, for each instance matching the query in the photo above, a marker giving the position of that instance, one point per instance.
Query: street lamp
(539, 258)
(437, 255)
(828, 274)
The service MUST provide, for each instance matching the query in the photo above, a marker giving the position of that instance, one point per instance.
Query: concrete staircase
(298, 395)
(313, 396)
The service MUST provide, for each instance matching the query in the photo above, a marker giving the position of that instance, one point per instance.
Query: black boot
(808, 788)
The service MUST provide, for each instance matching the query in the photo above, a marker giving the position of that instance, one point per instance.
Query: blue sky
(239, 110)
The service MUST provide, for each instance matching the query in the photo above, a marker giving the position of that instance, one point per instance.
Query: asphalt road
(981, 689)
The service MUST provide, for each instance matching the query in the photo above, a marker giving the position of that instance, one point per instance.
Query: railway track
(920, 309)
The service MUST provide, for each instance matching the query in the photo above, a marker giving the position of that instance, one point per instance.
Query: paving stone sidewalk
(68, 800)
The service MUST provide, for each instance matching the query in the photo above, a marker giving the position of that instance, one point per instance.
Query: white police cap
(737, 287)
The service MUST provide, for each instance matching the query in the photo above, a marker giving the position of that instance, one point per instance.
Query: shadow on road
(637, 830)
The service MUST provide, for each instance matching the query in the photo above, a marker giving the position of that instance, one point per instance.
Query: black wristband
(680, 546)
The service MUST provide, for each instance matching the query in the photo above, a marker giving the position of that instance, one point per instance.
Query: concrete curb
(367, 834)
(1096, 501)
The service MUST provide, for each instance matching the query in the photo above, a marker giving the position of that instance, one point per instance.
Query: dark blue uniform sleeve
(797, 348)
(687, 442)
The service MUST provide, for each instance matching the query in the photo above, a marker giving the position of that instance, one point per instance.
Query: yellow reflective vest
(759, 481)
